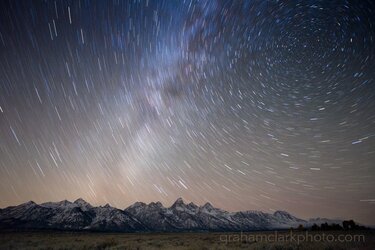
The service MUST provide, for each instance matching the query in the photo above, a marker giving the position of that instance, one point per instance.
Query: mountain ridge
(142, 217)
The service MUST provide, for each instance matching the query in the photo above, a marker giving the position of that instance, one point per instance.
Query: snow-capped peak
(84, 205)
(156, 204)
(63, 203)
(178, 202)
(179, 205)
(191, 205)
(81, 201)
(281, 213)
(107, 206)
(28, 204)
(208, 206)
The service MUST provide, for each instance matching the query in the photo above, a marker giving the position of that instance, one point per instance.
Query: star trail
(249, 105)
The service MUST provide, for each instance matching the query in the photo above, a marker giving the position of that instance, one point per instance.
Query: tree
(315, 227)
(349, 225)
(324, 226)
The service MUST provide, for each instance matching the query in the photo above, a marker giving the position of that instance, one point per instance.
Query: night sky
(249, 105)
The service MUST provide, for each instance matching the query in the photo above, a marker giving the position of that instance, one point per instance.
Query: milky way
(250, 105)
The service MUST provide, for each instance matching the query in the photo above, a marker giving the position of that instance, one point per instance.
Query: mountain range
(142, 217)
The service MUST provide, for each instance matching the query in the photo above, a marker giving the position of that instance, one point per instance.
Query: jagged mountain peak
(81, 201)
(62, 203)
(28, 203)
(208, 208)
(284, 215)
(84, 205)
(137, 204)
(107, 206)
(281, 212)
(207, 205)
(192, 205)
(179, 204)
(179, 201)
(156, 204)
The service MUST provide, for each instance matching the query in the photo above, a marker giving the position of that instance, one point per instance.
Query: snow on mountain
(80, 215)
(287, 219)
(108, 218)
(63, 203)
(85, 206)
(67, 215)
(190, 217)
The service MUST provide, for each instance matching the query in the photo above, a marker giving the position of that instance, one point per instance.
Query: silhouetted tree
(315, 227)
(324, 226)
(336, 227)
(349, 225)
(346, 225)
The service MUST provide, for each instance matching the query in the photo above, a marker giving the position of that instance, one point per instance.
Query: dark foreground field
(245, 240)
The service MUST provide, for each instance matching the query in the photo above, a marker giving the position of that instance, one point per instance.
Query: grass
(246, 240)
